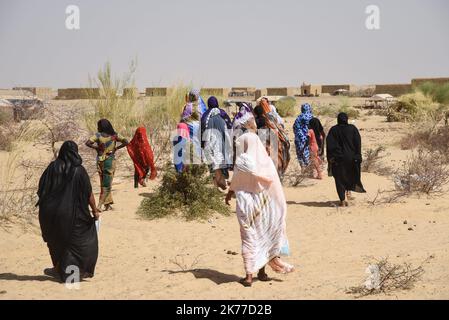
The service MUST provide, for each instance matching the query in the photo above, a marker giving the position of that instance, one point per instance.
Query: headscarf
(265, 105)
(183, 130)
(212, 102)
(260, 119)
(187, 112)
(243, 119)
(214, 107)
(60, 171)
(244, 107)
(301, 131)
(104, 126)
(193, 97)
(342, 118)
(141, 154)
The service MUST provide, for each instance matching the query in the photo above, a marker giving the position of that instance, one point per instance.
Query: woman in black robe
(67, 226)
(344, 155)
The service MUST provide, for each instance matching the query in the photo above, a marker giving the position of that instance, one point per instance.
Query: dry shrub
(386, 197)
(429, 102)
(18, 200)
(371, 159)
(424, 172)
(296, 175)
(189, 194)
(17, 192)
(386, 277)
(413, 107)
(432, 139)
(53, 126)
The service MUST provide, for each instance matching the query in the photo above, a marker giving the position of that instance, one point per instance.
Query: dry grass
(17, 184)
(429, 102)
(434, 139)
(333, 110)
(159, 114)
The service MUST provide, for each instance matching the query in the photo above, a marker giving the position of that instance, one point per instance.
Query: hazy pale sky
(215, 43)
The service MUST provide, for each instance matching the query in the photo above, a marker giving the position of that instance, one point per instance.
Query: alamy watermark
(72, 21)
(372, 21)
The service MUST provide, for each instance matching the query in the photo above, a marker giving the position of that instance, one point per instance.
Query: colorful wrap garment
(141, 154)
(301, 131)
(216, 138)
(106, 164)
(261, 207)
(181, 143)
(279, 148)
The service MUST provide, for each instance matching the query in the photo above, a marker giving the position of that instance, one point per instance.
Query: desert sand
(173, 259)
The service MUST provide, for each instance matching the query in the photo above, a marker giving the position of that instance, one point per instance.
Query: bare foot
(275, 266)
(341, 203)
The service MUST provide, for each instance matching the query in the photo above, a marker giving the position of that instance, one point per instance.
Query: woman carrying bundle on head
(106, 145)
(261, 207)
(141, 154)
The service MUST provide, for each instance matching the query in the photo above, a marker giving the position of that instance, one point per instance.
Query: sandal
(245, 283)
(263, 277)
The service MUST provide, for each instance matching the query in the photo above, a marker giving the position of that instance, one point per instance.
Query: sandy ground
(174, 259)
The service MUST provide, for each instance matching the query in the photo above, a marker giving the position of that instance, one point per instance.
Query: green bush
(429, 102)
(438, 92)
(189, 194)
(286, 106)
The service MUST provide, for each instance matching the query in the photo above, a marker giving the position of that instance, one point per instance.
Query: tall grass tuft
(119, 109)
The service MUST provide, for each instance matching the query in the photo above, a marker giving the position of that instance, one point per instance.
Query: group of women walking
(254, 145)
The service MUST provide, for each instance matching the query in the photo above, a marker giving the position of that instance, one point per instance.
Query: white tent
(382, 97)
(380, 100)
(6, 103)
